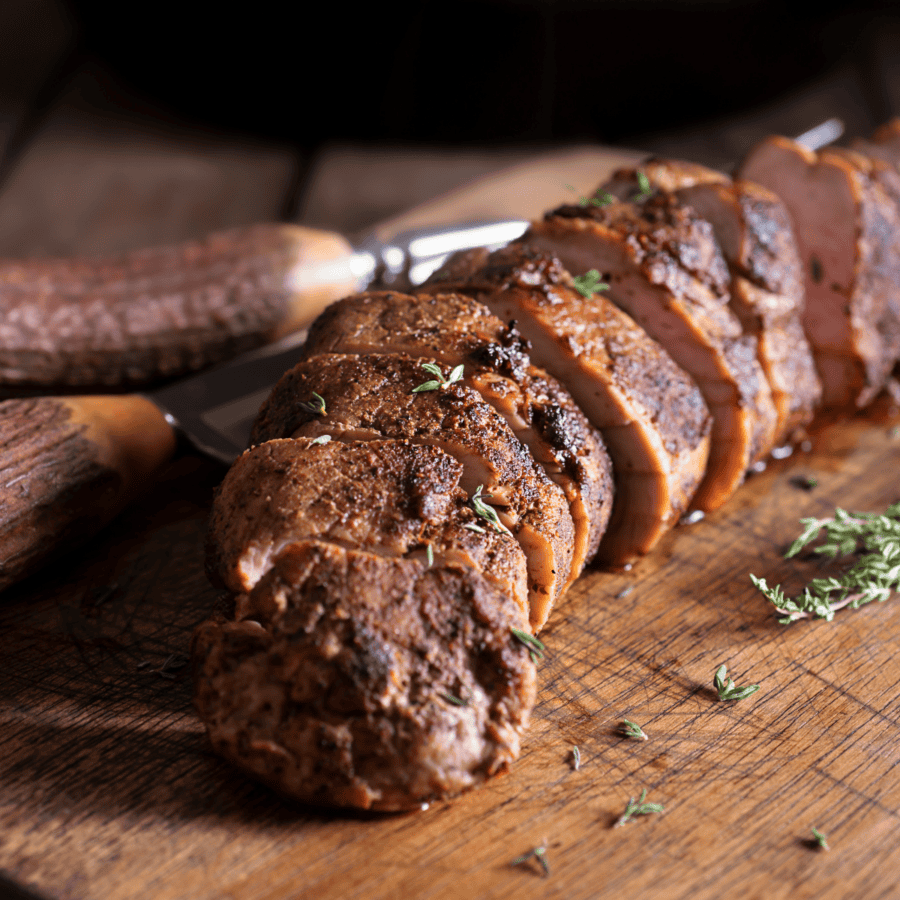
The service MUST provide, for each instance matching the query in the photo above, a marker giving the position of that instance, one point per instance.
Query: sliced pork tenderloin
(766, 289)
(373, 397)
(358, 680)
(392, 498)
(845, 226)
(665, 270)
(651, 414)
(455, 330)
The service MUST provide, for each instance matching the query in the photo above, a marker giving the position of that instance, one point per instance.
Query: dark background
(476, 71)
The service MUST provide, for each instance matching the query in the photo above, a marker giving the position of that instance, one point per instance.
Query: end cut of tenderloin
(372, 397)
(653, 418)
(393, 498)
(844, 225)
(455, 330)
(352, 679)
(665, 270)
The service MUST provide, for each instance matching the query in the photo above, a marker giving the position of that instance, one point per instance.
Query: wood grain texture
(110, 789)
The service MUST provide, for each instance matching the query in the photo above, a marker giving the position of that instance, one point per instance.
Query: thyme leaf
(645, 188)
(321, 439)
(488, 513)
(453, 699)
(633, 730)
(438, 381)
(598, 198)
(576, 757)
(638, 808)
(589, 284)
(535, 647)
(820, 838)
(316, 405)
(874, 539)
(726, 687)
(539, 853)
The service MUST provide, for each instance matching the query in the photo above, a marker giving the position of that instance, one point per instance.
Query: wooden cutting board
(108, 788)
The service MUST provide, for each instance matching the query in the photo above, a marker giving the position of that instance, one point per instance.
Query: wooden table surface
(109, 790)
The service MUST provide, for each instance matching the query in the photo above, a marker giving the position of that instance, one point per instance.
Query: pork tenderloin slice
(372, 398)
(455, 330)
(653, 419)
(356, 680)
(665, 270)
(838, 223)
(392, 498)
(767, 292)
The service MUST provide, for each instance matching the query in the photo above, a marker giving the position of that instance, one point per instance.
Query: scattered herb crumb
(638, 808)
(453, 699)
(488, 513)
(624, 592)
(633, 730)
(645, 188)
(322, 439)
(820, 839)
(806, 482)
(576, 757)
(538, 853)
(316, 405)
(429, 555)
(589, 284)
(598, 198)
(535, 647)
(726, 687)
(438, 381)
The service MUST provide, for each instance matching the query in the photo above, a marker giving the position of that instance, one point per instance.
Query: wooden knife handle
(68, 465)
(136, 318)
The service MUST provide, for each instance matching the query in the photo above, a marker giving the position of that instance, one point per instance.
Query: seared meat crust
(393, 498)
(666, 271)
(845, 225)
(372, 397)
(352, 679)
(455, 330)
(652, 417)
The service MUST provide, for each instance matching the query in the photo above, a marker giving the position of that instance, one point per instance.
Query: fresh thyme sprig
(539, 853)
(535, 647)
(820, 838)
(646, 189)
(875, 539)
(633, 730)
(439, 381)
(589, 284)
(726, 687)
(316, 406)
(638, 808)
(488, 513)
